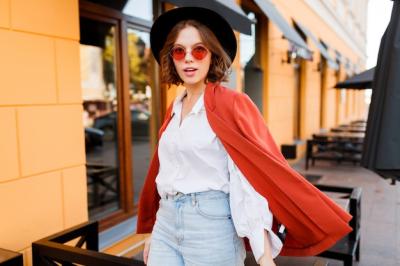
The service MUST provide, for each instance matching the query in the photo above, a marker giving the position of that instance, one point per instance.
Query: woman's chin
(192, 82)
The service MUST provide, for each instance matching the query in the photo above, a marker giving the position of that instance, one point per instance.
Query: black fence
(10, 258)
(54, 250)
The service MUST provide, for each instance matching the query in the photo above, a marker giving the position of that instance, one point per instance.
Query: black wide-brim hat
(216, 23)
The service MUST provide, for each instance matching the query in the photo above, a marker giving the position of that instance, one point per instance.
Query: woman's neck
(194, 90)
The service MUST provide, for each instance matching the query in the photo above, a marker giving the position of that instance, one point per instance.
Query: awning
(324, 52)
(288, 32)
(339, 58)
(226, 8)
(345, 62)
(360, 81)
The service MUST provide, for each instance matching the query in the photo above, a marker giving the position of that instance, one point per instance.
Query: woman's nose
(188, 56)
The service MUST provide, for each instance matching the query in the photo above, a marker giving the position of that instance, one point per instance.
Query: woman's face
(191, 70)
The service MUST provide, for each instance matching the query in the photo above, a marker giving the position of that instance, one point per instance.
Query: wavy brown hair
(220, 61)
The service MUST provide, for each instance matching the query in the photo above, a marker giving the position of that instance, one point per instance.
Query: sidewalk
(380, 215)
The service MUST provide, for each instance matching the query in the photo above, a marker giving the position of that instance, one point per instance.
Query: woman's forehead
(188, 36)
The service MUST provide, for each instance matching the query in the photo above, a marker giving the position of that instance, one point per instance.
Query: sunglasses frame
(191, 52)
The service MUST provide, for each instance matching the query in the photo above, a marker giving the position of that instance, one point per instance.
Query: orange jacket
(312, 220)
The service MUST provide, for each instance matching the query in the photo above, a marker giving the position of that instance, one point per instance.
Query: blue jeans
(195, 229)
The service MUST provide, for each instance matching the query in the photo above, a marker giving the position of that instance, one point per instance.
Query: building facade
(81, 101)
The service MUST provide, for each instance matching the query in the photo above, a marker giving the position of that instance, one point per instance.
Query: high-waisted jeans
(195, 229)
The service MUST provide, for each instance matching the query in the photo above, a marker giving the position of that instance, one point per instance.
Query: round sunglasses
(198, 52)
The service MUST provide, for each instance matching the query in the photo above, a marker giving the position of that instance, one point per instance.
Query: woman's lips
(190, 72)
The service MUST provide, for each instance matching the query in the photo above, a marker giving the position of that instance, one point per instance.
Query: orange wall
(279, 91)
(42, 156)
(281, 86)
(330, 107)
(311, 121)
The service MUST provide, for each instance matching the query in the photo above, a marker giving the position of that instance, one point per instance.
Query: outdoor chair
(322, 150)
(348, 248)
(339, 150)
(102, 185)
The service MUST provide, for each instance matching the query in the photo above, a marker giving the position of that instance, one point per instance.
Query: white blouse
(192, 159)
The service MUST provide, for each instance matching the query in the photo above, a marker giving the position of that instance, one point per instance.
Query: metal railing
(53, 250)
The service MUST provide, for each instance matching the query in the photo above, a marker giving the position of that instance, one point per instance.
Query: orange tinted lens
(178, 53)
(199, 52)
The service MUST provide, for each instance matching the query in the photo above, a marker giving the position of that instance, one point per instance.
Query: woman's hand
(266, 258)
(146, 249)
(264, 261)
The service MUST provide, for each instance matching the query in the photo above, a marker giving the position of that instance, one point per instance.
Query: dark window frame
(122, 22)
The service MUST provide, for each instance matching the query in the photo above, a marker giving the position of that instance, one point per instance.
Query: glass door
(99, 84)
(140, 105)
(120, 104)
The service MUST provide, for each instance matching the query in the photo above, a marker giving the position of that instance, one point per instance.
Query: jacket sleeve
(250, 213)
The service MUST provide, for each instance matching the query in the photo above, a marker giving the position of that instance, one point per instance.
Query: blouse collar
(199, 105)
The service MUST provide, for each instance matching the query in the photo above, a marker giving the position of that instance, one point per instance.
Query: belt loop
(193, 195)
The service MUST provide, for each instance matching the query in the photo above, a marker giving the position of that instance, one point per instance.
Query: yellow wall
(279, 90)
(280, 86)
(330, 106)
(311, 122)
(341, 99)
(42, 156)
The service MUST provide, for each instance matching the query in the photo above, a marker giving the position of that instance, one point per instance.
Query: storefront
(122, 100)
(81, 101)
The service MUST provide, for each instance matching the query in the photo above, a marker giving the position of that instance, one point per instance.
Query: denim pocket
(214, 208)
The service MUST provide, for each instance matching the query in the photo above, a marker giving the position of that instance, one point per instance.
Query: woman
(217, 169)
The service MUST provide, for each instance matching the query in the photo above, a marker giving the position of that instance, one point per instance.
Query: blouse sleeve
(250, 213)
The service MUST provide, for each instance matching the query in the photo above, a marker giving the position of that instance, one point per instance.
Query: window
(118, 104)
(100, 112)
(250, 66)
(139, 8)
(136, 8)
(247, 44)
(140, 95)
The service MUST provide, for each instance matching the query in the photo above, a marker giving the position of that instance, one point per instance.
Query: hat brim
(216, 23)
